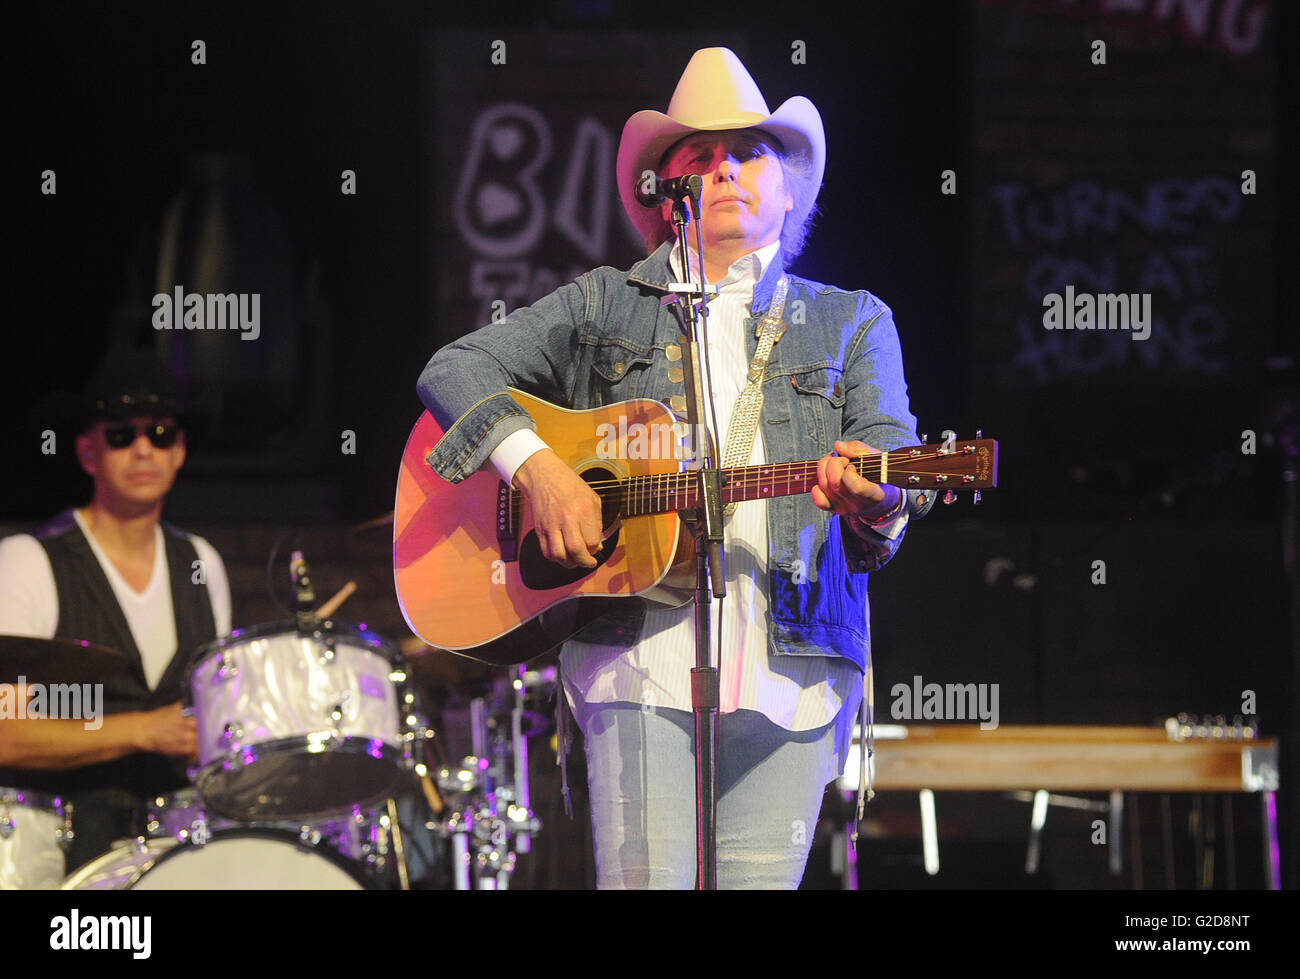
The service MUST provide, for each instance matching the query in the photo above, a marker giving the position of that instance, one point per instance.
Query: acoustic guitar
(468, 566)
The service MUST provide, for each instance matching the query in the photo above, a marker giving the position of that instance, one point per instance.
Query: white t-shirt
(29, 599)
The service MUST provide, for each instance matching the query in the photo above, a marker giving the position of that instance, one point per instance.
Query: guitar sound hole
(539, 574)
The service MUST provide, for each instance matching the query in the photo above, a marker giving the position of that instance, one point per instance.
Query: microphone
(673, 188)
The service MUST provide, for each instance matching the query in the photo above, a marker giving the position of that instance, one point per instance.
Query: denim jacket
(837, 373)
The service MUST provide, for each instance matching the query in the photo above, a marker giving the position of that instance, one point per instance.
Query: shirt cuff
(513, 451)
(893, 528)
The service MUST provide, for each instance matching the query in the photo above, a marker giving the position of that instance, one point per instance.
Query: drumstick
(431, 795)
(386, 519)
(413, 646)
(341, 596)
(398, 849)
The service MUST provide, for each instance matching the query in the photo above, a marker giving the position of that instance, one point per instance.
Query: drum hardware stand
(477, 825)
(417, 758)
(522, 797)
(489, 806)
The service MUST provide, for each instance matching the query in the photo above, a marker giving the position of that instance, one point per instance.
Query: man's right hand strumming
(566, 511)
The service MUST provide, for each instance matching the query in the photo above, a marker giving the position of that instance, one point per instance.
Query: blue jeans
(641, 778)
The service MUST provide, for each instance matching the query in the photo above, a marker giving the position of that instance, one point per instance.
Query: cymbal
(58, 660)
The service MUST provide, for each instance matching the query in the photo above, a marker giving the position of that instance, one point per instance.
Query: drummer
(114, 574)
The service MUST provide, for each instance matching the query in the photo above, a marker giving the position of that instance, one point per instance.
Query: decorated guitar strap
(749, 405)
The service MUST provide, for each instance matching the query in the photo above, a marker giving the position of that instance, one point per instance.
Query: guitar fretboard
(643, 495)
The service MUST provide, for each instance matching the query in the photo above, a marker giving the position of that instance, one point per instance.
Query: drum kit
(317, 769)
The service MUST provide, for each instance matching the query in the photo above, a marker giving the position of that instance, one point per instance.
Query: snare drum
(35, 830)
(294, 725)
(232, 860)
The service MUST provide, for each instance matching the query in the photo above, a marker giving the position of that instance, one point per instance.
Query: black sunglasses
(162, 435)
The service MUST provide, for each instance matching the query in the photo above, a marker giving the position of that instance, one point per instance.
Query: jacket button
(618, 368)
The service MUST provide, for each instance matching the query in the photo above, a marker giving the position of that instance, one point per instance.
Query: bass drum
(232, 860)
(363, 836)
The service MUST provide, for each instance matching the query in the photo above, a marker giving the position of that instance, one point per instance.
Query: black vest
(105, 794)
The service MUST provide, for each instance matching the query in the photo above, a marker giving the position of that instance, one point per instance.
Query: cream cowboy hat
(715, 93)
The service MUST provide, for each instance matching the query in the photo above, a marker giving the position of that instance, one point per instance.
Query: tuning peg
(976, 498)
(948, 497)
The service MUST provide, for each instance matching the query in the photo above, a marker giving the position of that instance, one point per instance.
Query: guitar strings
(655, 488)
(866, 466)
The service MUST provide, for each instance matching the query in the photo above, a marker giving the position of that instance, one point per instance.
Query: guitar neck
(971, 465)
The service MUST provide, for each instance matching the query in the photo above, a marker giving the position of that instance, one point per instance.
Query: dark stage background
(477, 182)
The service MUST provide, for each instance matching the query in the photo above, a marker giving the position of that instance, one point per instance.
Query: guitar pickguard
(539, 574)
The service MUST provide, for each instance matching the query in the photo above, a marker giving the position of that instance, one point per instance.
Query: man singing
(795, 624)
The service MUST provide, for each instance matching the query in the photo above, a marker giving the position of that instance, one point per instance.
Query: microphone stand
(706, 520)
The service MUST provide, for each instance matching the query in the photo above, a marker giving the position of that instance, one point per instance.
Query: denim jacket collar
(653, 272)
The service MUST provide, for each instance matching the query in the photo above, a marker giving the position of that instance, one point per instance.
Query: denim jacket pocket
(615, 361)
(617, 369)
(820, 399)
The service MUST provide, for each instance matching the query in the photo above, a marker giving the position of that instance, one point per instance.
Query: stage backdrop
(1124, 177)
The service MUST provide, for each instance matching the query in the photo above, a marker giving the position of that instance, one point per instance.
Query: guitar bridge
(507, 522)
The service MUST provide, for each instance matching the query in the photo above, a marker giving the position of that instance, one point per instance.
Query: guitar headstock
(954, 464)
